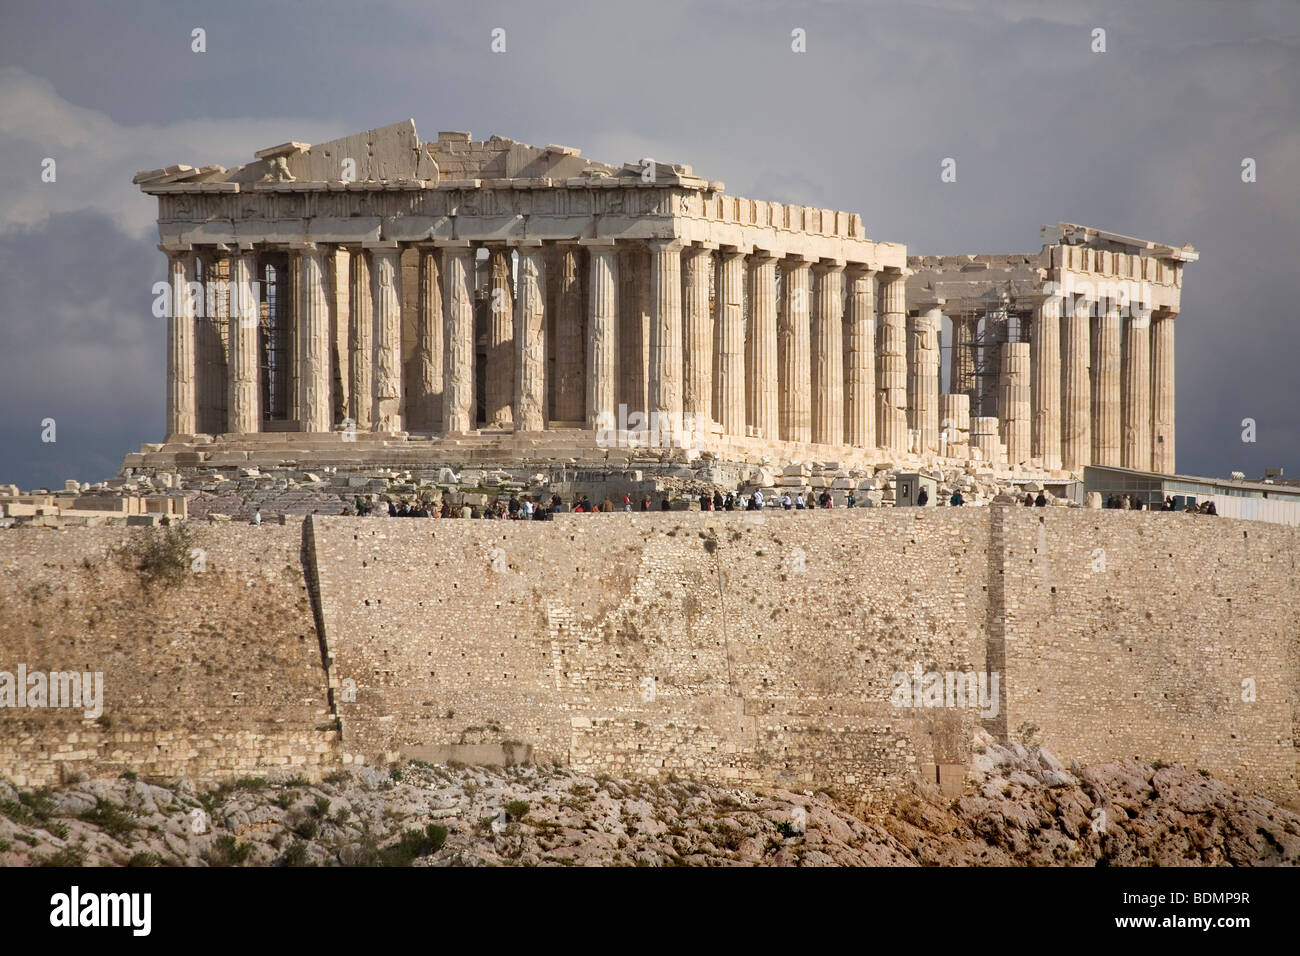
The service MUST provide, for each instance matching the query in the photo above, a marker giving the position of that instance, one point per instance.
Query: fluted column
(500, 385)
(1106, 434)
(860, 359)
(697, 336)
(1045, 373)
(530, 340)
(762, 415)
(182, 405)
(360, 338)
(923, 380)
(961, 366)
(891, 371)
(729, 366)
(313, 342)
(429, 344)
(1136, 375)
(1076, 443)
(602, 336)
(245, 398)
(666, 330)
(794, 376)
(385, 293)
(458, 350)
(1162, 393)
(827, 347)
(212, 330)
(1014, 402)
(337, 266)
(570, 339)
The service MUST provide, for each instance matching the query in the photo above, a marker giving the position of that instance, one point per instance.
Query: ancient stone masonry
(429, 294)
(721, 646)
(1097, 311)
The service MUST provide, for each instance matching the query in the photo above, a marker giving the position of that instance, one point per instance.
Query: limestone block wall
(1140, 635)
(217, 676)
(727, 646)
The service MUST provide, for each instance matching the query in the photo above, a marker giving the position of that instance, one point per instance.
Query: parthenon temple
(381, 298)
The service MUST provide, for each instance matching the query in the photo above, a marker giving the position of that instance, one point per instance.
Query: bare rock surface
(1021, 806)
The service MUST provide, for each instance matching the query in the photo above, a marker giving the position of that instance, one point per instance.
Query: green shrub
(227, 851)
(162, 555)
(306, 828)
(517, 809)
(112, 819)
(296, 855)
(143, 859)
(68, 856)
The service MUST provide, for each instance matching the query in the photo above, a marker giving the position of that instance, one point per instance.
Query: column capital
(762, 255)
(520, 244)
(173, 249)
(666, 245)
(729, 253)
(829, 265)
(371, 245)
(304, 247)
(597, 242)
(1164, 314)
(859, 268)
(453, 245)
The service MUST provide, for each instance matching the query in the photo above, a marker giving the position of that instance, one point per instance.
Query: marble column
(337, 265)
(500, 371)
(570, 337)
(1162, 393)
(1106, 386)
(360, 338)
(313, 342)
(427, 386)
(761, 407)
(794, 375)
(697, 336)
(860, 359)
(245, 397)
(729, 352)
(954, 425)
(961, 366)
(182, 403)
(211, 343)
(530, 339)
(827, 355)
(385, 291)
(665, 392)
(1014, 402)
(891, 371)
(1135, 373)
(1076, 411)
(923, 380)
(1045, 373)
(602, 336)
(458, 404)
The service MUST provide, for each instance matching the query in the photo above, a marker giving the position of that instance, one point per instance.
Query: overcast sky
(1145, 139)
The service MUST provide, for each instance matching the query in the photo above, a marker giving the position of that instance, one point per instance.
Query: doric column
(337, 265)
(961, 366)
(182, 402)
(1106, 386)
(1075, 388)
(1045, 372)
(827, 360)
(360, 338)
(244, 400)
(458, 350)
(761, 415)
(1136, 376)
(860, 359)
(729, 366)
(1014, 402)
(697, 336)
(570, 338)
(923, 379)
(794, 376)
(386, 410)
(1162, 393)
(602, 336)
(891, 370)
(530, 339)
(954, 425)
(665, 393)
(427, 387)
(500, 385)
(313, 342)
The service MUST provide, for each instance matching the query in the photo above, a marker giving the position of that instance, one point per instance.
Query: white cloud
(96, 156)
